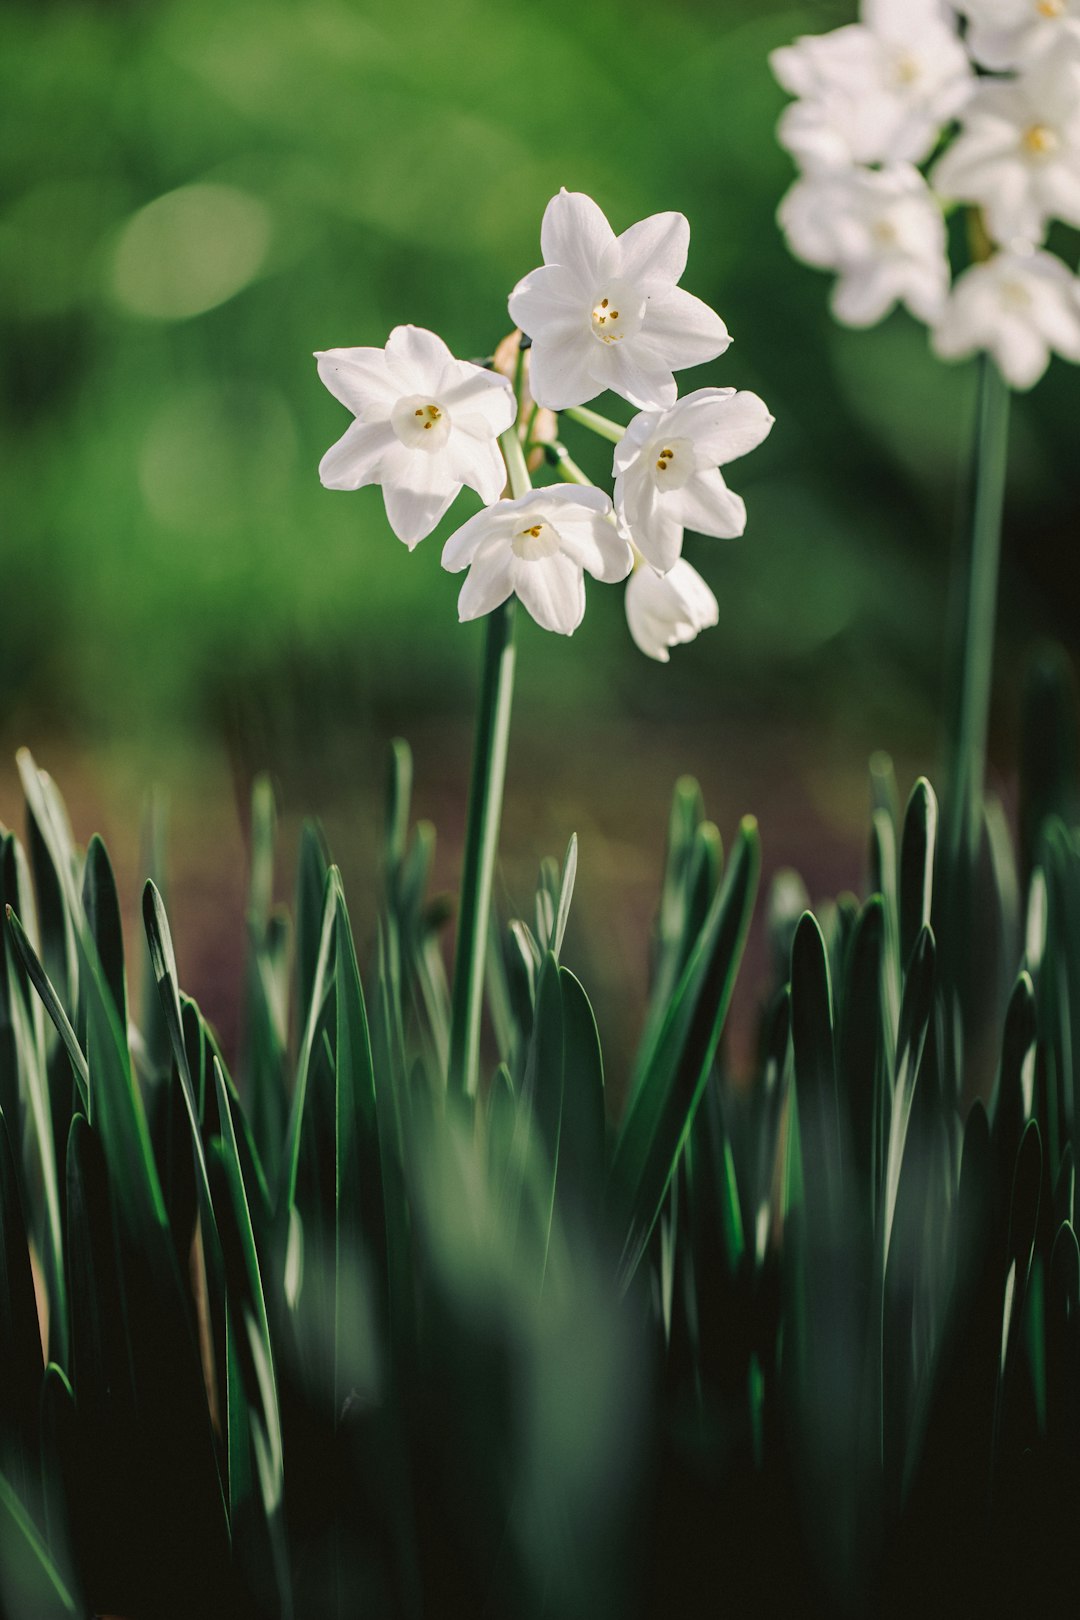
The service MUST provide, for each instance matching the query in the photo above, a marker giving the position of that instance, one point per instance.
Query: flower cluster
(874, 99)
(602, 312)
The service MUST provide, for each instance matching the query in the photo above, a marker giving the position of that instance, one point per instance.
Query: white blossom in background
(1020, 306)
(665, 610)
(1004, 34)
(877, 91)
(605, 311)
(881, 230)
(539, 547)
(425, 425)
(1018, 154)
(667, 475)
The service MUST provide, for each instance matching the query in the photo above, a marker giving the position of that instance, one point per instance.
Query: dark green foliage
(341, 1340)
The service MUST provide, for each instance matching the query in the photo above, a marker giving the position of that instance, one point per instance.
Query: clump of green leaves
(328, 1338)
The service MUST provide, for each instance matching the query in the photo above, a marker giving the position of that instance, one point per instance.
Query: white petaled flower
(605, 311)
(667, 475)
(1004, 34)
(539, 547)
(1020, 306)
(881, 230)
(878, 91)
(1018, 154)
(665, 610)
(425, 425)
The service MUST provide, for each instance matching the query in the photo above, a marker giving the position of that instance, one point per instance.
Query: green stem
(972, 694)
(603, 425)
(485, 810)
(566, 468)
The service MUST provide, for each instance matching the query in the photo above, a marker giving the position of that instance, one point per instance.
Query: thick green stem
(971, 701)
(485, 811)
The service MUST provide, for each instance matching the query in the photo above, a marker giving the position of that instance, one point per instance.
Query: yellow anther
(1040, 140)
(419, 413)
(603, 303)
(614, 314)
(1050, 8)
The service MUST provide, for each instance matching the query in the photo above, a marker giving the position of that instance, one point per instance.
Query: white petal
(1020, 352)
(652, 252)
(722, 423)
(359, 378)
(476, 459)
(416, 358)
(637, 377)
(549, 299)
(464, 544)
(680, 330)
(474, 390)
(655, 531)
(357, 457)
(575, 232)
(417, 489)
(865, 295)
(489, 581)
(561, 370)
(553, 591)
(639, 433)
(706, 505)
(663, 612)
(596, 545)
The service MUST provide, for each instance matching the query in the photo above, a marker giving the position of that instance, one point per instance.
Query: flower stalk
(971, 699)
(485, 814)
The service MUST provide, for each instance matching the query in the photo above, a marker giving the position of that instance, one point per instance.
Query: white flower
(1005, 34)
(881, 230)
(1020, 307)
(604, 311)
(878, 91)
(664, 610)
(667, 475)
(539, 547)
(426, 424)
(1019, 152)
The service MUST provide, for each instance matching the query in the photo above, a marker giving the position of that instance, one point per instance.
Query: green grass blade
(661, 1113)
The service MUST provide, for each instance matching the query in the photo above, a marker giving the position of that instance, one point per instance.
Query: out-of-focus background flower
(193, 197)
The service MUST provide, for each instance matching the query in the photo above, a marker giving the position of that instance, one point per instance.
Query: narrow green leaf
(914, 1022)
(101, 905)
(30, 1583)
(661, 1113)
(917, 865)
(51, 1001)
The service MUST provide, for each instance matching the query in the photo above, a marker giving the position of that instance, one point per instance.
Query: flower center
(1050, 8)
(420, 423)
(885, 233)
(1016, 295)
(1039, 141)
(618, 311)
(907, 69)
(535, 541)
(672, 463)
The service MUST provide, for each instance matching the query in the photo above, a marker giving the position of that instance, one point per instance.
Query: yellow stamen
(1040, 140)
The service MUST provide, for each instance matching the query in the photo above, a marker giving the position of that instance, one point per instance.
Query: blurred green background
(196, 195)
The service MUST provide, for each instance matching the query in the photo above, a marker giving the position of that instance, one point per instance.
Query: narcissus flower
(665, 610)
(1020, 306)
(605, 311)
(1003, 34)
(667, 476)
(539, 547)
(878, 91)
(1018, 154)
(425, 425)
(881, 230)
